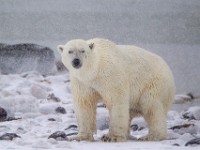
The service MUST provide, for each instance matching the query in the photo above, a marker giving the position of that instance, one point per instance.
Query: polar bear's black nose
(76, 63)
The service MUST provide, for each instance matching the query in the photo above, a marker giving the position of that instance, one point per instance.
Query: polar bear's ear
(60, 48)
(91, 45)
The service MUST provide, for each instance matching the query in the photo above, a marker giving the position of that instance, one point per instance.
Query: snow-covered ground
(37, 103)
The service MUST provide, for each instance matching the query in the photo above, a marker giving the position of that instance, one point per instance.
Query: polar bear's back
(143, 59)
(146, 66)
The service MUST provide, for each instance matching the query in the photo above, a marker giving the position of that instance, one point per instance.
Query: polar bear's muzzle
(76, 63)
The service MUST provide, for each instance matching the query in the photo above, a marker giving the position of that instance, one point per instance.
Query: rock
(186, 137)
(9, 136)
(135, 127)
(4, 128)
(193, 141)
(60, 110)
(3, 114)
(52, 97)
(25, 57)
(73, 133)
(48, 108)
(38, 92)
(11, 119)
(73, 127)
(20, 130)
(185, 128)
(193, 113)
(180, 99)
(52, 119)
(59, 135)
(181, 126)
(176, 144)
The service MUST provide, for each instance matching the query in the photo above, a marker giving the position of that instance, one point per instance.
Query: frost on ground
(36, 112)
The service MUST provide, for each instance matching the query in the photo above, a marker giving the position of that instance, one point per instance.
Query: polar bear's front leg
(86, 117)
(119, 121)
(85, 100)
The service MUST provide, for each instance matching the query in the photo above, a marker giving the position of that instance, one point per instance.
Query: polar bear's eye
(70, 52)
(82, 51)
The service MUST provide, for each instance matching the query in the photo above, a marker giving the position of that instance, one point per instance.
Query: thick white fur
(129, 80)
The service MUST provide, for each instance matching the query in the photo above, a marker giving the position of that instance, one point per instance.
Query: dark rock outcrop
(25, 57)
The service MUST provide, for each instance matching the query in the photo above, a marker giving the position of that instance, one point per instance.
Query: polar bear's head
(75, 53)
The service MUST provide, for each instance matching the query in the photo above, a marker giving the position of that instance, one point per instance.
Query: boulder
(19, 58)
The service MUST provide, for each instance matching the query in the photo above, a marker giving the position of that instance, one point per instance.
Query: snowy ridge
(35, 100)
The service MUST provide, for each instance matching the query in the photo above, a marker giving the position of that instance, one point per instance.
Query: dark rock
(66, 81)
(59, 135)
(193, 113)
(60, 110)
(135, 127)
(10, 119)
(52, 97)
(9, 136)
(181, 126)
(193, 141)
(52, 119)
(191, 95)
(20, 58)
(74, 127)
(176, 144)
(3, 114)
(188, 115)
(73, 133)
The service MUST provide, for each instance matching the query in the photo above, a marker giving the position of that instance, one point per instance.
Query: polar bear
(129, 80)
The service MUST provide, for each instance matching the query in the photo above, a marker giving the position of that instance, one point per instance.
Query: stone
(193, 142)
(59, 135)
(52, 97)
(193, 113)
(9, 136)
(70, 134)
(135, 127)
(38, 92)
(52, 119)
(181, 126)
(73, 127)
(60, 110)
(185, 128)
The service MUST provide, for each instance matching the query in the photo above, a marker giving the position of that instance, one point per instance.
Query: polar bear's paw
(151, 137)
(112, 138)
(81, 137)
